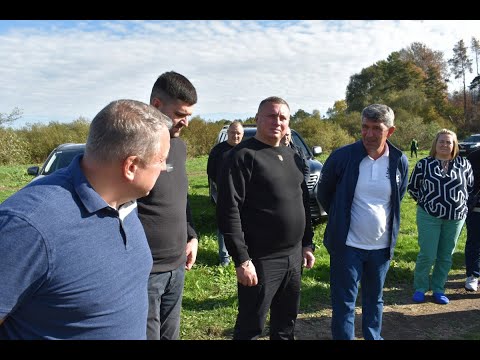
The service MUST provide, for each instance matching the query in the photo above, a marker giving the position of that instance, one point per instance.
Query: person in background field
(264, 214)
(413, 148)
(472, 245)
(78, 260)
(288, 141)
(440, 184)
(214, 164)
(166, 216)
(363, 180)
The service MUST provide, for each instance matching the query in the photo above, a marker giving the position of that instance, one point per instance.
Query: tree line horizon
(412, 81)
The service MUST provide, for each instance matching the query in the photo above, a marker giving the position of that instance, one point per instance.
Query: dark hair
(174, 86)
(273, 100)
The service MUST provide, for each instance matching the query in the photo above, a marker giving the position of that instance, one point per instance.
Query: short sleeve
(24, 262)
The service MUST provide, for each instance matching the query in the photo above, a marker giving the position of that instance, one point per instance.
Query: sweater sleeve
(191, 233)
(307, 239)
(211, 162)
(327, 184)
(232, 184)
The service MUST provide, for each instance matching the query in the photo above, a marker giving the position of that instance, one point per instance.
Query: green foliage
(325, 133)
(13, 149)
(200, 136)
(408, 127)
(12, 179)
(42, 139)
(411, 80)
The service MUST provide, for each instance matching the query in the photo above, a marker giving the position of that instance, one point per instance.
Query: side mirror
(316, 150)
(33, 170)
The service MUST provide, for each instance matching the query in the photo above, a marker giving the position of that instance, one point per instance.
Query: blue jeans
(223, 254)
(472, 246)
(165, 291)
(347, 270)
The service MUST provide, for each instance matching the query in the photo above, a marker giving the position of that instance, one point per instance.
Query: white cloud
(59, 71)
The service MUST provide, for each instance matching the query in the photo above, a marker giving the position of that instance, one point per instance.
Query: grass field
(210, 303)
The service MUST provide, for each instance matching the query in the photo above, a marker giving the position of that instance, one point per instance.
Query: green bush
(13, 149)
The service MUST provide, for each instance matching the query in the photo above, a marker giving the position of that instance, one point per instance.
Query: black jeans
(472, 246)
(278, 290)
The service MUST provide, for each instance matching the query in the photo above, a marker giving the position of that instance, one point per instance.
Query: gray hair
(124, 128)
(379, 113)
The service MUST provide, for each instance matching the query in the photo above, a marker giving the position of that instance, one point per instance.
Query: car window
(301, 145)
(58, 160)
(473, 138)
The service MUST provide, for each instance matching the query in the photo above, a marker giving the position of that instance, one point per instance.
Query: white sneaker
(471, 284)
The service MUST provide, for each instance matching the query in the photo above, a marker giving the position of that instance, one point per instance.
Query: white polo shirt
(371, 207)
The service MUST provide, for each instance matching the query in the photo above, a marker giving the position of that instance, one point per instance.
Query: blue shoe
(440, 298)
(418, 297)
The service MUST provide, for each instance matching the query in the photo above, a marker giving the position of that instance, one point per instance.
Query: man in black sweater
(472, 245)
(165, 214)
(263, 212)
(214, 165)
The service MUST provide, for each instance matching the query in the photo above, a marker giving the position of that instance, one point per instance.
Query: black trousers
(277, 291)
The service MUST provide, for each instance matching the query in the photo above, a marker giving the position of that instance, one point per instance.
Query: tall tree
(298, 116)
(459, 65)
(435, 71)
(425, 58)
(476, 50)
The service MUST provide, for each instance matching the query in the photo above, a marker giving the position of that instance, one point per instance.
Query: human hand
(308, 258)
(247, 274)
(191, 251)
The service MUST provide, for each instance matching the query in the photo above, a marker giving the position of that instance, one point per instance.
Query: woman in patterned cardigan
(440, 184)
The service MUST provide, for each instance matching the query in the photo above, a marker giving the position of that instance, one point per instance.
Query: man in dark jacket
(214, 165)
(165, 214)
(361, 187)
(472, 245)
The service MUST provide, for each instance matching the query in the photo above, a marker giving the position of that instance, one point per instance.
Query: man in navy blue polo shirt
(75, 259)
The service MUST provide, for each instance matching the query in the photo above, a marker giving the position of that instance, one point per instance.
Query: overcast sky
(63, 70)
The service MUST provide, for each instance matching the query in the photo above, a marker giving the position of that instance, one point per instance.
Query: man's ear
(130, 167)
(156, 102)
(390, 131)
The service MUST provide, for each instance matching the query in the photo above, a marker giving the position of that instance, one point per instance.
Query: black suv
(60, 157)
(470, 144)
(315, 167)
